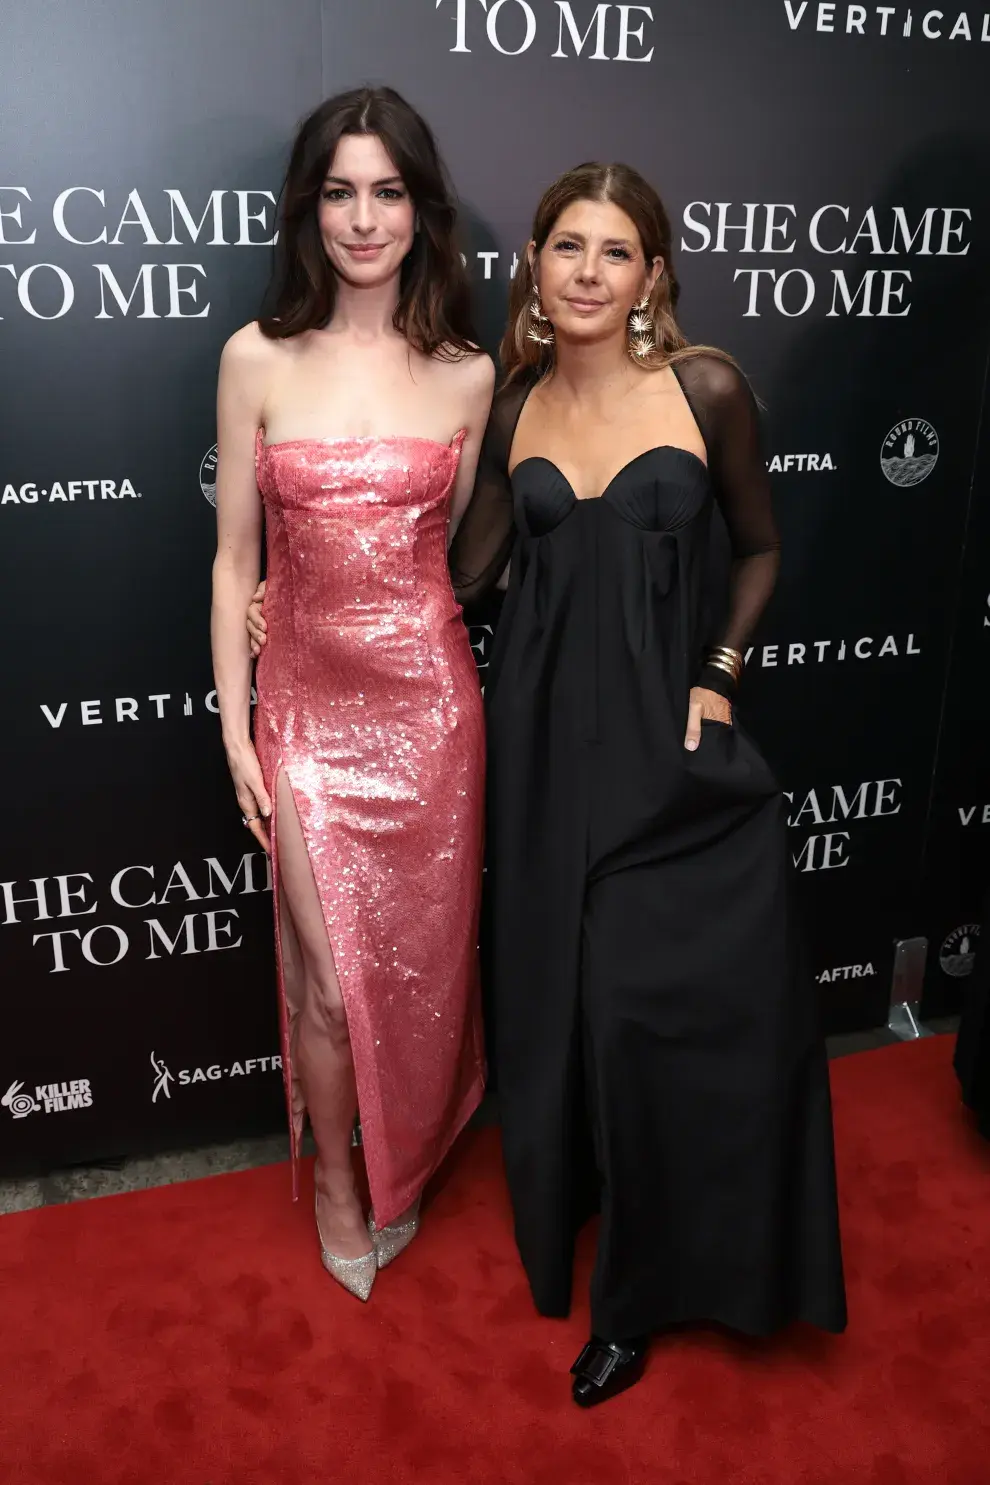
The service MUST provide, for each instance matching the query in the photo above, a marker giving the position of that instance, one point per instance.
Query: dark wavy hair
(627, 189)
(434, 308)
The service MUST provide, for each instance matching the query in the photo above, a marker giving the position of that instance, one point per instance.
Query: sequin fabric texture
(368, 698)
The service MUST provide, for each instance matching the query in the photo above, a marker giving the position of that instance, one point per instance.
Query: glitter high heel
(390, 1241)
(356, 1275)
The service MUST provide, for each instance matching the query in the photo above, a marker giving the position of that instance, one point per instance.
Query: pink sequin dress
(368, 698)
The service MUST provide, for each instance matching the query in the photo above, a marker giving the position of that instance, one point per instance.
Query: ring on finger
(246, 819)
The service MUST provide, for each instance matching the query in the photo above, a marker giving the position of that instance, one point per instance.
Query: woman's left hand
(707, 704)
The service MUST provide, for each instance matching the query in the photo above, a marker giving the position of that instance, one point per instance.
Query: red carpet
(189, 1334)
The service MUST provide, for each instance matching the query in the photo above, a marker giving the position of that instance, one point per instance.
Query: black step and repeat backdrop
(827, 168)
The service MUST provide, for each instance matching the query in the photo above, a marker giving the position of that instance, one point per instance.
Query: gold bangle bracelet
(721, 665)
(732, 655)
(725, 663)
(733, 664)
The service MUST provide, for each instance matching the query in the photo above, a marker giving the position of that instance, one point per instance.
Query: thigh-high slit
(368, 702)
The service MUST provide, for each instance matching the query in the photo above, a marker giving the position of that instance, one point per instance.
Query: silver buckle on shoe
(597, 1362)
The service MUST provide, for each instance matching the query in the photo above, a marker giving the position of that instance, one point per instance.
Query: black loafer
(606, 1368)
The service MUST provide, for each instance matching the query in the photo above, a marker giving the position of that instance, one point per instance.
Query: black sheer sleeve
(726, 412)
(483, 541)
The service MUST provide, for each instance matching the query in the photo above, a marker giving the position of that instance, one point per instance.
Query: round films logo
(909, 452)
(208, 475)
(957, 953)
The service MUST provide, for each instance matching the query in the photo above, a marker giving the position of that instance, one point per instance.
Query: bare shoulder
(468, 379)
(472, 372)
(248, 351)
(479, 370)
(249, 367)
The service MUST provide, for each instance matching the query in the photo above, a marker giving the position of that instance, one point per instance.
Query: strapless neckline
(660, 448)
(356, 438)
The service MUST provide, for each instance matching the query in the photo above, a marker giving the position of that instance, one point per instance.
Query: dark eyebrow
(340, 180)
(609, 241)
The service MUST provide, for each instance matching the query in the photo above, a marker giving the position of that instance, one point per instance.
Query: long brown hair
(627, 189)
(434, 308)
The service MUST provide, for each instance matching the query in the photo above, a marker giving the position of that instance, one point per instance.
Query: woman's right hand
(256, 626)
(249, 786)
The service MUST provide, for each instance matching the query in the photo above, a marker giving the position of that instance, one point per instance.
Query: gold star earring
(541, 330)
(641, 341)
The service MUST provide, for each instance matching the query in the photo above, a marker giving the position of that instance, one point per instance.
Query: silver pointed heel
(356, 1275)
(390, 1241)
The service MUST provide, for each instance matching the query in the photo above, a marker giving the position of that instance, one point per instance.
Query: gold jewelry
(541, 330)
(641, 341)
(724, 658)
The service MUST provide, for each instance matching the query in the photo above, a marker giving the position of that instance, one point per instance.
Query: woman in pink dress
(349, 426)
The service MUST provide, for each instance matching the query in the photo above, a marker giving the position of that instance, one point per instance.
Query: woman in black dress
(656, 1040)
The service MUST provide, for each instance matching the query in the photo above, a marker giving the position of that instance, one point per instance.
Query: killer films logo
(47, 1098)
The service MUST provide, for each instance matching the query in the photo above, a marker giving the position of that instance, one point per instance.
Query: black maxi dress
(657, 1043)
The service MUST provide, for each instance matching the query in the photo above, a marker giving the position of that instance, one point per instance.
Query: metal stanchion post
(906, 985)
